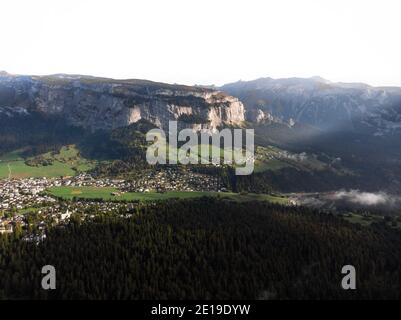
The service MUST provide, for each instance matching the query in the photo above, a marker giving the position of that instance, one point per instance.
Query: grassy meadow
(66, 162)
(105, 193)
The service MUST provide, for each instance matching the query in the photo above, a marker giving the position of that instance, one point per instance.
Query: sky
(204, 41)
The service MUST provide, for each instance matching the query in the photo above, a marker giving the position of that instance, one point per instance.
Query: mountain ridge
(102, 103)
(318, 102)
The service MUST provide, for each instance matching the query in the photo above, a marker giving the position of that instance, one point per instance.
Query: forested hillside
(206, 248)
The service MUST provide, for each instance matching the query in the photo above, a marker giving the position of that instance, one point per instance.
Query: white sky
(204, 41)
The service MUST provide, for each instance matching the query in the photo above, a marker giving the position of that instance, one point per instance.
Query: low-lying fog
(351, 200)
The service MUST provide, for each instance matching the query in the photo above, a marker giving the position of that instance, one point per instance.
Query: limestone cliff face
(207, 110)
(97, 103)
(232, 112)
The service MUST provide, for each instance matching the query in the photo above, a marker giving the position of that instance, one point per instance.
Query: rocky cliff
(99, 103)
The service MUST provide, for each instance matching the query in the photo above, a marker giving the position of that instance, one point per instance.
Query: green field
(19, 170)
(66, 162)
(273, 158)
(273, 164)
(369, 219)
(203, 149)
(105, 194)
(362, 220)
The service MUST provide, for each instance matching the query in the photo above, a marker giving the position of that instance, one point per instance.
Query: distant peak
(319, 79)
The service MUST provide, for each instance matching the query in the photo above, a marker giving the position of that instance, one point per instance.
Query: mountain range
(101, 103)
(351, 126)
(320, 103)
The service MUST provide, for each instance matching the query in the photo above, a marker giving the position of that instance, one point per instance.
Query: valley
(199, 158)
(73, 170)
(35, 205)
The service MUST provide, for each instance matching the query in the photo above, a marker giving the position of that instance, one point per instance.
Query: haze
(205, 41)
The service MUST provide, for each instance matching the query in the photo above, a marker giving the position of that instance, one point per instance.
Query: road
(9, 171)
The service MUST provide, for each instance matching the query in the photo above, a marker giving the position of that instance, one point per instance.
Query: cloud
(365, 198)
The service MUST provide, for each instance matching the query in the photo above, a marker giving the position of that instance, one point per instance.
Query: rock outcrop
(259, 116)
